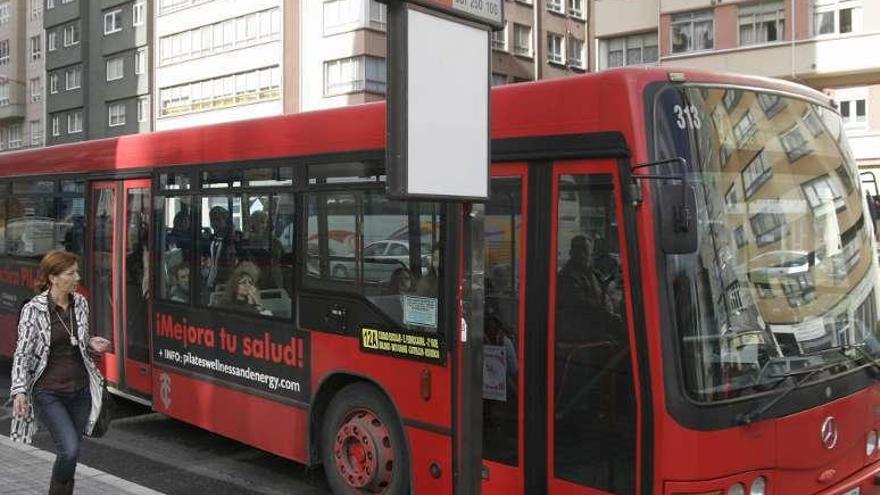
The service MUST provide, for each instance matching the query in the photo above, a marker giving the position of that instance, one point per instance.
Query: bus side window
(176, 244)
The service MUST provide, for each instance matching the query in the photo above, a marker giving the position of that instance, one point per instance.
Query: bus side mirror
(678, 218)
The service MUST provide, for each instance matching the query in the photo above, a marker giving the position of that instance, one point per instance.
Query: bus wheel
(362, 445)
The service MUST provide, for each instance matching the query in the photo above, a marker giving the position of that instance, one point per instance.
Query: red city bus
(671, 290)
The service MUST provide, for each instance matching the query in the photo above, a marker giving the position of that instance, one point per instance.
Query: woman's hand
(20, 406)
(99, 344)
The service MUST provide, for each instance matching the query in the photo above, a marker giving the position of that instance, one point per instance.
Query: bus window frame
(196, 192)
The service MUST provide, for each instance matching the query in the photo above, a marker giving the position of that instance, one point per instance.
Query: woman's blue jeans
(65, 415)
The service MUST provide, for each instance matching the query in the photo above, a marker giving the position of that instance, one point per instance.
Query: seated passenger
(241, 293)
(261, 247)
(401, 281)
(179, 278)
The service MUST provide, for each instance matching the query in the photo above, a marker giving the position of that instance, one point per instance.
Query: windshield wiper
(859, 348)
(752, 416)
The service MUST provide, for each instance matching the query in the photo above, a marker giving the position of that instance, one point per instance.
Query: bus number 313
(687, 117)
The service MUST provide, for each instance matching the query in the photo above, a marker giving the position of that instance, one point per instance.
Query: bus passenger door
(559, 403)
(591, 401)
(119, 285)
(136, 285)
(103, 281)
(503, 425)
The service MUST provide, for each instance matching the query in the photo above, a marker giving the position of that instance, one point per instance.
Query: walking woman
(52, 369)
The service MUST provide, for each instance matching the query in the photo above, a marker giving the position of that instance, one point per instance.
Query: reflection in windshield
(785, 266)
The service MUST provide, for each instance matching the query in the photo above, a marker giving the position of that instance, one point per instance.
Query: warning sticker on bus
(402, 344)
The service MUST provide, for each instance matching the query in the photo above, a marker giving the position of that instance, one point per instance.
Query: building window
(576, 8)
(36, 131)
(837, 17)
(14, 140)
(767, 227)
(575, 50)
(628, 50)
(53, 83)
(222, 92)
(771, 104)
(745, 129)
(71, 34)
(140, 61)
(72, 78)
(794, 144)
(800, 288)
(499, 39)
(4, 12)
(522, 40)
(36, 88)
(115, 68)
(554, 48)
(756, 174)
(56, 125)
(36, 8)
(115, 114)
(854, 113)
(51, 41)
(143, 108)
(499, 79)
(555, 6)
(50, 4)
(4, 94)
(813, 122)
(4, 52)
(693, 32)
(763, 22)
(113, 21)
(824, 189)
(74, 122)
(354, 74)
(348, 15)
(257, 27)
(139, 13)
(36, 47)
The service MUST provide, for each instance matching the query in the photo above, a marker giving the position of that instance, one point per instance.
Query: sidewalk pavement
(25, 469)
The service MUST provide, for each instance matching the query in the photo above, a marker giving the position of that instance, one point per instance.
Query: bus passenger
(241, 290)
(261, 247)
(179, 291)
(577, 284)
(220, 256)
(52, 370)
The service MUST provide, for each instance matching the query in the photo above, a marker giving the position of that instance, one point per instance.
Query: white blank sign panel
(448, 108)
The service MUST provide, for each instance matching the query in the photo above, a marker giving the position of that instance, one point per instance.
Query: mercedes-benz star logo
(829, 433)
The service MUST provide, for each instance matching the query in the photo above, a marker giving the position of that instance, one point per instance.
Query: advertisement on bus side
(16, 283)
(266, 356)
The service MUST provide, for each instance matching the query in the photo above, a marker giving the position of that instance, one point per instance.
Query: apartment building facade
(21, 74)
(98, 76)
(219, 60)
(541, 39)
(830, 45)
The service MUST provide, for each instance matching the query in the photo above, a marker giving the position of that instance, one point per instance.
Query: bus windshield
(784, 279)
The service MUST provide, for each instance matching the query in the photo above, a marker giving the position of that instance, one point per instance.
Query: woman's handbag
(108, 409)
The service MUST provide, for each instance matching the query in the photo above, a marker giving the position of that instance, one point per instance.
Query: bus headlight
(736, 489)
(871, 443)
(759, 486)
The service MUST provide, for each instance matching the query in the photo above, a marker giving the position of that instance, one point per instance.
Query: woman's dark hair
(54, 263)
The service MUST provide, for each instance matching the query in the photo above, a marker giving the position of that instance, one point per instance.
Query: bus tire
(362, 444)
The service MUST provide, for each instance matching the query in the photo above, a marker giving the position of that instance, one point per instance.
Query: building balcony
(11, 112)
(818, 62)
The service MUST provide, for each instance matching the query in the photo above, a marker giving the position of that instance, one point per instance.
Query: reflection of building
(792, 216)
(827, 44)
